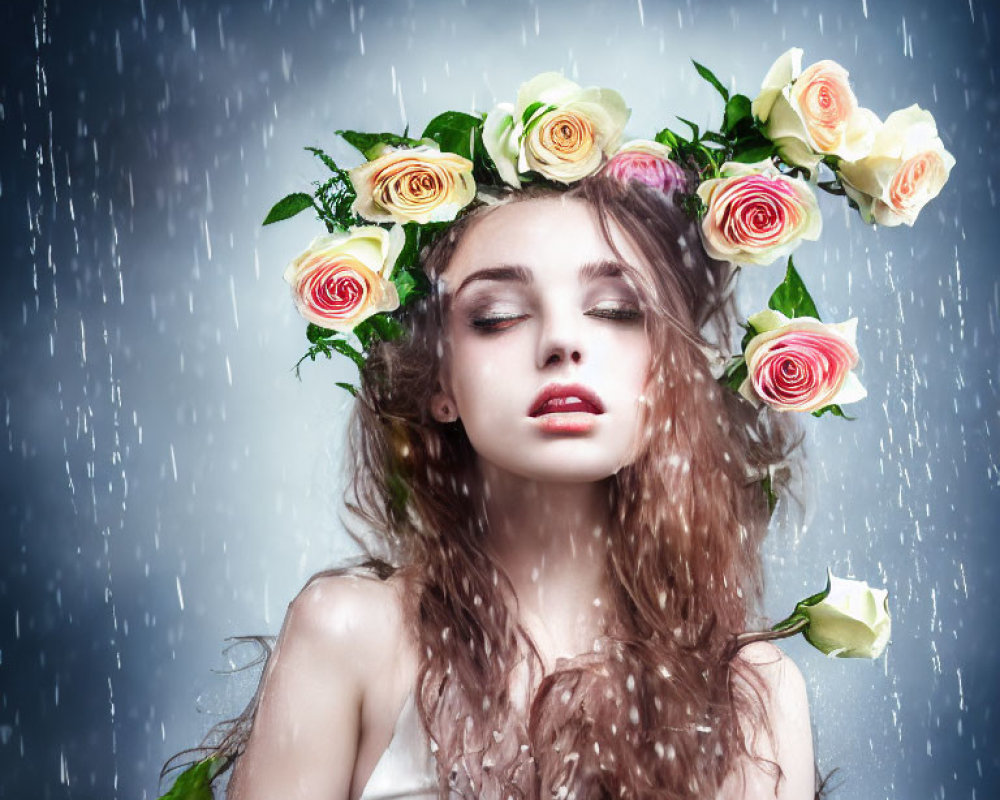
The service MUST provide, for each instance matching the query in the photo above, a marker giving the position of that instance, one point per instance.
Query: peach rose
(343, 278)
(906, 168)
(801, 364)
(568, 133)
(417, 184)
(813, 113)
(648, 162)
(755, 214)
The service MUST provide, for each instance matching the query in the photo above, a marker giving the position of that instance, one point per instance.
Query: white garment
(406, 768)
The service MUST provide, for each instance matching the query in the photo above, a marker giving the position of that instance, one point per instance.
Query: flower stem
(782, 630)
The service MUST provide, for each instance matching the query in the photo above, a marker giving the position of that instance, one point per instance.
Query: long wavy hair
(662, 707)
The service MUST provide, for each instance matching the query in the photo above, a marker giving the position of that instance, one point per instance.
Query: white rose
(568, 133)
(849, 620)
(906, 168)
(813, 113)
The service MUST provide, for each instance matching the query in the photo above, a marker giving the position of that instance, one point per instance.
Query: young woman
(564, 511)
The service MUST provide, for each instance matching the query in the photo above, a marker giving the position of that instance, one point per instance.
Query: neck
(550, 538)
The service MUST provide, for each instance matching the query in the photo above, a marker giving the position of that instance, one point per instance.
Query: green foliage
(772, 497)
(529, 112)
(288, 207)
(791, 297)
(195, 783)
(457, 133)
(709, 76)
(370, 144)
(735, 374)
(834, 409)
(737, 113)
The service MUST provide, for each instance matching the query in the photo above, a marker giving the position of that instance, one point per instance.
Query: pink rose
(755, 214)
(801, 364)
(647, 162)
(343, 278)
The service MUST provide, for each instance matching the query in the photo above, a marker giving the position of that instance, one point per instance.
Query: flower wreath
(755, 200)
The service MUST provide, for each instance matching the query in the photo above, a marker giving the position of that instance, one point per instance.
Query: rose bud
(647, 162)
(756, 215)
(801, 364)
(848, 620)
(343, 278)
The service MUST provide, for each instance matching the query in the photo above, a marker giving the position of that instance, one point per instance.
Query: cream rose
(417, 184)
(568, 133)
(906, 168)
(801, 364)
(343, 278)
(813, 113)
(756, 215)
(849, 620)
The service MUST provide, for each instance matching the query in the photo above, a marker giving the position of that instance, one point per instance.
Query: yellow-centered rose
(906, 168)
(558, 129)
(418, 184)
(813, 113)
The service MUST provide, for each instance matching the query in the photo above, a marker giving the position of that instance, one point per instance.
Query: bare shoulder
(358, 612)
(778, 682)
(333, 670)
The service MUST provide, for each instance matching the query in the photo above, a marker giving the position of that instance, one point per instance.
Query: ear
(443, 406)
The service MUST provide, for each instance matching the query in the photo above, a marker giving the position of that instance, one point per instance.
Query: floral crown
(755, 200)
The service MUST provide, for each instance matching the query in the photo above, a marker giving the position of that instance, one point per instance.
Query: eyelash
(495, 323)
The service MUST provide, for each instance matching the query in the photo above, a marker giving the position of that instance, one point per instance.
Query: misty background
(168, 483)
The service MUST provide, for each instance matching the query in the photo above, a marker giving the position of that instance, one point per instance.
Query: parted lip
(590, 401)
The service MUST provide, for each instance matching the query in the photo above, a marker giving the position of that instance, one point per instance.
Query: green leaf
(405, 283)
(195, 783)
(753, 149)
(387, 327)
(370, 144)
(669, 138)
(737, 110)
(315, 333)
(288, 207)
(751, 332)
(456, 132)
(735, 374)
(351, 388)
(346, 349)
(791, 297)
(325, 159)
(529, 112)
(834, 409)
(716, 138)
(694, 129)
(772, 498)
(709, 76)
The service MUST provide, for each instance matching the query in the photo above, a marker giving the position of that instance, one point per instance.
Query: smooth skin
(345, 662)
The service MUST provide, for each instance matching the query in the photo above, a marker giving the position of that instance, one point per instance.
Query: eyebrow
(516, 273)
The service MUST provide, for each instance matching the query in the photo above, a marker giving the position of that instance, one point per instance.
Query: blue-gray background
(168, 483)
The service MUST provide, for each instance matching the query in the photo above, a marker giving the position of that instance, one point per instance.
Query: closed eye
(495, 322)
(626, 313)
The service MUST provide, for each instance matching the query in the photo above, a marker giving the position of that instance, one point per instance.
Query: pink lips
(566, 408)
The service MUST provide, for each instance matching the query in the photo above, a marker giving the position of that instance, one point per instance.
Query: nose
(560, 340)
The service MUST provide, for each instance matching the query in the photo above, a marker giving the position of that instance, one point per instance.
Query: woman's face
(539, 309)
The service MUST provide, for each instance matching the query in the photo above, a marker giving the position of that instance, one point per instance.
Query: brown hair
(662, 705)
